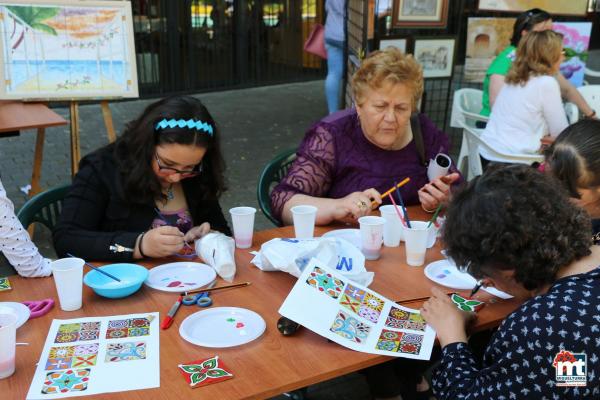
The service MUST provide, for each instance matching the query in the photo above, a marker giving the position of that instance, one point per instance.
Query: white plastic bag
(292, 256)
(217, 250)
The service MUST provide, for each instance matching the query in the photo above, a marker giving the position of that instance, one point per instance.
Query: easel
(74, 130)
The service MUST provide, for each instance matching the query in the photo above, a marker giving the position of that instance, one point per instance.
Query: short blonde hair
(536, 55)
(388, 66)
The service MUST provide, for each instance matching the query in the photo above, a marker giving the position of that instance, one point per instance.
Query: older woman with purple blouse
(348, 158)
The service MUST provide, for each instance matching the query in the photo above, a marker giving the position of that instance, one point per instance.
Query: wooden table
(16, 116)
(263, 368)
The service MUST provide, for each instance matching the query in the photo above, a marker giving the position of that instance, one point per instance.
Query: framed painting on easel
(67, 49)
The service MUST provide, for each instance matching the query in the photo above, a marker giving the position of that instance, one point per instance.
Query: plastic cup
(371, 236)
(243, 226)
(416, 238)
(304, 221)
(8, 343)
(68, 278)
(439, 166)
(392, 231)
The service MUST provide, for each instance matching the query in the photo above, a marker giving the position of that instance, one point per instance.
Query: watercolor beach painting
(67, 50)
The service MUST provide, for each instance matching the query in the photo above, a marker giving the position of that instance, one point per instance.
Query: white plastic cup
(439, 166)
(304, 221)
(8, 344)
(392, 231)
(242, 219)
(68, 278)
(371, 236)
(416, 238)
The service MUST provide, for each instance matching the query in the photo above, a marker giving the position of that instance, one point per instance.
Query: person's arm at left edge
(570, 93)
(437, 191)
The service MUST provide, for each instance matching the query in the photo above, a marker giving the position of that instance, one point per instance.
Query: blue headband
(182, 123)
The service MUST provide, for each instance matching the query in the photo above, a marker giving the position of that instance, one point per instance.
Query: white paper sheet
(360, 319)
(87, 356)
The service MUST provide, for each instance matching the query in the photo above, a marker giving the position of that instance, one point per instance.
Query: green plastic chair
(270, 176)
(44, 207)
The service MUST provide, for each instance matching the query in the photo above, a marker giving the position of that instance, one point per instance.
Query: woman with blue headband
(150, 193)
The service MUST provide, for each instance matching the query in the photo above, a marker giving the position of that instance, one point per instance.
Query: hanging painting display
(436, 55)
(88, 356)
(355, 317)
(67, 49)
(420, 13)
(554, 7)
(486, 37)
(576, 41)
(399, 43)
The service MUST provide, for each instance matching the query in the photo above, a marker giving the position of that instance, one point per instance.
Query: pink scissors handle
(39, 307)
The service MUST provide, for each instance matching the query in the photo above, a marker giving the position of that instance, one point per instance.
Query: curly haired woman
(517, 230)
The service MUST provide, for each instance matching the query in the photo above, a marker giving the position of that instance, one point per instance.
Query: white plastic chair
(475, 142)
(591, 94)
(468, 104)
(572, 113)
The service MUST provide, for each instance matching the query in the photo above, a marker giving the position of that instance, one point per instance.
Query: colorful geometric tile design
(125, 351)
(466, 304)
(128, 328)
(352, 298)
(401, 342)
(4, 284)
(79, 331)
(401, 319)
(370, 307)
(71, 380)
(350, 328)
(326, 283)
(117, 333)
(65, 357)
(204, 372)
(58, 363)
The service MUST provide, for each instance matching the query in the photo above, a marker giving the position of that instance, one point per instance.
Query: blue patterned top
(518, 361)
(181, 219)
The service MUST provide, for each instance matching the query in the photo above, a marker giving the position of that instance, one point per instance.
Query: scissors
(39, 307)
(201, 299)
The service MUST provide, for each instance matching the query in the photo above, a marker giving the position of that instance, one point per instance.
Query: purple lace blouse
(336, 159)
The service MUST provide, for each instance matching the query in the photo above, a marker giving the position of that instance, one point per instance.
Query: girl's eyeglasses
(164, 170)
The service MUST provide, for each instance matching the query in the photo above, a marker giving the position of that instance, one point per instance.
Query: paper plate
(445, 273)
(18, 309)
(180, 276)
(222, 327)
(351, 235)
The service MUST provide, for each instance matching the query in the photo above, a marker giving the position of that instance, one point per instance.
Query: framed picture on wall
(436, 55)
(420, 13)
(571, 7)
(401, 43)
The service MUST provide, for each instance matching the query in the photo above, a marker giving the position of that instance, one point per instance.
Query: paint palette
(351, 235)
(445, 273)
(180, 276)
(222, 327)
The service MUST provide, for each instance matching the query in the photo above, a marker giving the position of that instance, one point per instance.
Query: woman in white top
(16, 245)
(529, 106)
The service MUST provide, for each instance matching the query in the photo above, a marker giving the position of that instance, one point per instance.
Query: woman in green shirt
(531, 20)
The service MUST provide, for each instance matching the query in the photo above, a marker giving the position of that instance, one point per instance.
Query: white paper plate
(351, 235)
(18, 309)
(446, 274)
(180, 276)
(222, 327)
